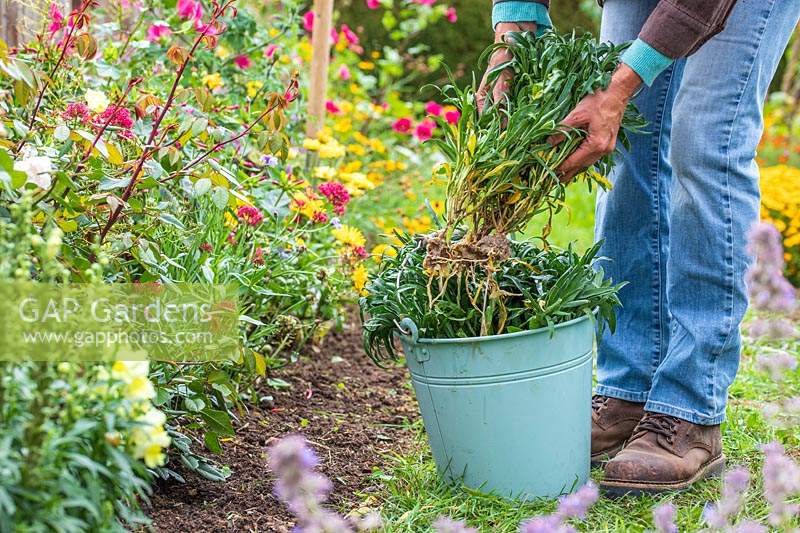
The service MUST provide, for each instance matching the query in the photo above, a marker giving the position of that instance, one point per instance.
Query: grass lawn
(412, 496)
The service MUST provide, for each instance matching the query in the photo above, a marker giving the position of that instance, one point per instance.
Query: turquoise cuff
(645, 60)
(522, 12)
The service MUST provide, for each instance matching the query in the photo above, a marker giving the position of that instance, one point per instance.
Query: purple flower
(781, 482)
(448, 525)
(776, 364)
(543, 524)
(575, 505)
(270, 160)
(749, 526)
(664, 518)
(734, 490)
(769, 289)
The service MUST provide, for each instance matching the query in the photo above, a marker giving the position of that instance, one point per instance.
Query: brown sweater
(677, 28)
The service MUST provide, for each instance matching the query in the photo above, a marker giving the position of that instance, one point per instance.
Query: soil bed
(350, 410)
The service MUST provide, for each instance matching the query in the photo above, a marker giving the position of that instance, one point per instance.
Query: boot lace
(661, 424)
(598, 402)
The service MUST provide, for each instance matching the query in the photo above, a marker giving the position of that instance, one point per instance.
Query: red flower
(332, 108)
(189, 9)
(452, 116)
(206, 247)
(243, 62)
(424, 130)
(433, 108)
(308, 21)
(402, 125)
(78, 111)
(349, 34)
(232, 237)
(337, 194)
(56, 19)
(320, 217)
(250, 215)
(360, 252)
(258, 256)
(452, 15)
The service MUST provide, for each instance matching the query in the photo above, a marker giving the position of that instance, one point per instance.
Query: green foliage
(541, 288)
(501, 166)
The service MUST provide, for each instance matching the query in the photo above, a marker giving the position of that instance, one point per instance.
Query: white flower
(96, 100)
(128, 370)
(37, 168)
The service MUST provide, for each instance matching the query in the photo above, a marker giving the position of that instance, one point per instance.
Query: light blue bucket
(507, 414)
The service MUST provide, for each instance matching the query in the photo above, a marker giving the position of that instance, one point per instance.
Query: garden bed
(350, 410)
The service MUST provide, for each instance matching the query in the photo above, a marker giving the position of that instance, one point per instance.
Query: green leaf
(211, 440)
(218, 421)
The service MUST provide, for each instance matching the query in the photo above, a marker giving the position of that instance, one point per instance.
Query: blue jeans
(675, 224)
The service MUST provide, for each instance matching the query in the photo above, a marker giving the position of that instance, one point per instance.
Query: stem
(167, 105)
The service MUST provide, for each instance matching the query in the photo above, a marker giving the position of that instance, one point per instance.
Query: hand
(499, 57)
(600, 115)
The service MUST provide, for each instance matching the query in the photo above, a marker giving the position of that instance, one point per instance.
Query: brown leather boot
(664, 453)
(613, 421)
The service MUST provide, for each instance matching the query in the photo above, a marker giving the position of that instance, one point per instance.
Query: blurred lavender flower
(781, 482)
(776, 364)
(270, 160)
(336, 223)
(575, 505)
(734, 490)
(570, 506)
(303, 490)
(448, 525)
(664, 518)
(769, 289)
(773, 328)
(748, 526)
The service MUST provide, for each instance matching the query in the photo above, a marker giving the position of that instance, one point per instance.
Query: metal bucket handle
(408, 328)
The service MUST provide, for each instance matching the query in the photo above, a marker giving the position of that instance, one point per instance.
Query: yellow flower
(343, 125)
(331, 150)
(349, 235)
(357, 149)
(356, 182)
(381, 251)
(305, 50)
(306, 205)
(153, 456)
(96, 101)
(222, 52)
(438, 207)
(360, 277)
(366, 65)
(311, 144)
(253, 86)
(140, 388)
(212, 81)
(325, 173)
(126, 371)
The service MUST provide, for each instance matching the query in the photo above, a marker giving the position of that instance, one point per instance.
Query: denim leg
(716, 126)
(632, 221)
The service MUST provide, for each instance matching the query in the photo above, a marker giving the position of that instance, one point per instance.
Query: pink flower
(250, 215)
(231, 237)
(332, 108)
(56, 19)
(337, 194)
(118, 117)
(320, 217)
(424, 130)
(373, 4)
(402, 125)
(189, 9)
(425, 2)
(349, 34)
(334, 36)
(452, 116)
(258, 256)
(308, 21)
(451, 14)
(157, 31)
(433, 108)
(269, 51)
(77, 111)
(243, 62)
(344, 72)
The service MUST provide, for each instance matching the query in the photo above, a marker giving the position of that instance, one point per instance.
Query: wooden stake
(320, 60)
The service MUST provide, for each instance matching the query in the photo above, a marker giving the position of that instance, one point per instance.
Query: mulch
(349, 409)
